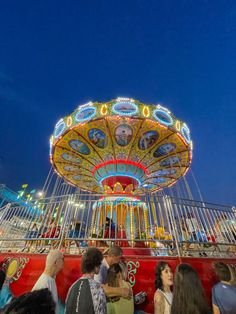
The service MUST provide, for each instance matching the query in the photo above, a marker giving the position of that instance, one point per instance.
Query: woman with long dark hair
(163, 283)
(188, 296)
(118, 305)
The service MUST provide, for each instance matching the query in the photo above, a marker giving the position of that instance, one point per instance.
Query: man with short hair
(223, 293)
(54, 263)
(86, 295)
(113, 257)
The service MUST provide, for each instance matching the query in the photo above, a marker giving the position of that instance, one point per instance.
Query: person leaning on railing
(227, 228)
(52, 232)
(75, 232)
(32, 234)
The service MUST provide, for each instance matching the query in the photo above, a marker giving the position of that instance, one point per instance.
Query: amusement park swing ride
(121, 149)
(113, 161)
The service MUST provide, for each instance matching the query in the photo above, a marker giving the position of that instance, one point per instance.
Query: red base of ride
(22, 278)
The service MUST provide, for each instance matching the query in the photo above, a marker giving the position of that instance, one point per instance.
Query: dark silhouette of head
(35, 302)
(2, 278)
(223, 271)
(189, 296)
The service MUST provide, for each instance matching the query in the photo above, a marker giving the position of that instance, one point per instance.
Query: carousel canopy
(121, 146)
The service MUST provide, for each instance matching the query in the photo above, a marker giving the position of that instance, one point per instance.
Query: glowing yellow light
(177, 125)
(146, 111)
(69, 121)
(104, 110)
(191, 145)
(12, 268)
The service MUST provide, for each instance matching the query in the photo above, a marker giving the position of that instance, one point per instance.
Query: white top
(46, 281)
(192, 224)
(168, 301)
(168, 297)
(102, 275)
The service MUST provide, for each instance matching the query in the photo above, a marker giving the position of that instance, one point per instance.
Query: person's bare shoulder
(158, 297)
(159, 307)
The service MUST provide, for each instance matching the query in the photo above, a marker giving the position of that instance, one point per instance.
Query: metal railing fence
(160, 225)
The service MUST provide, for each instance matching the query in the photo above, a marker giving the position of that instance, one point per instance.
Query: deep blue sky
(56, 55)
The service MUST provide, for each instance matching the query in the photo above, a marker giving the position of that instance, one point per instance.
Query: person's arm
(116, 291)
(159, 304)
(130, 289)
(215, 309)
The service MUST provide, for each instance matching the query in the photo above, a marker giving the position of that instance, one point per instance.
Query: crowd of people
(103, 288)
(183, 293)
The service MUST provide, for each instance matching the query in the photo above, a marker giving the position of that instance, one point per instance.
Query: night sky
(56, 55)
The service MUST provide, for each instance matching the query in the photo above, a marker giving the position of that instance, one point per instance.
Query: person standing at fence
(192, 227)
(163, 283)
(54, 263)
(225, 228)
(223, 293)
(195, 235)
(86, 295)
(188, 295)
